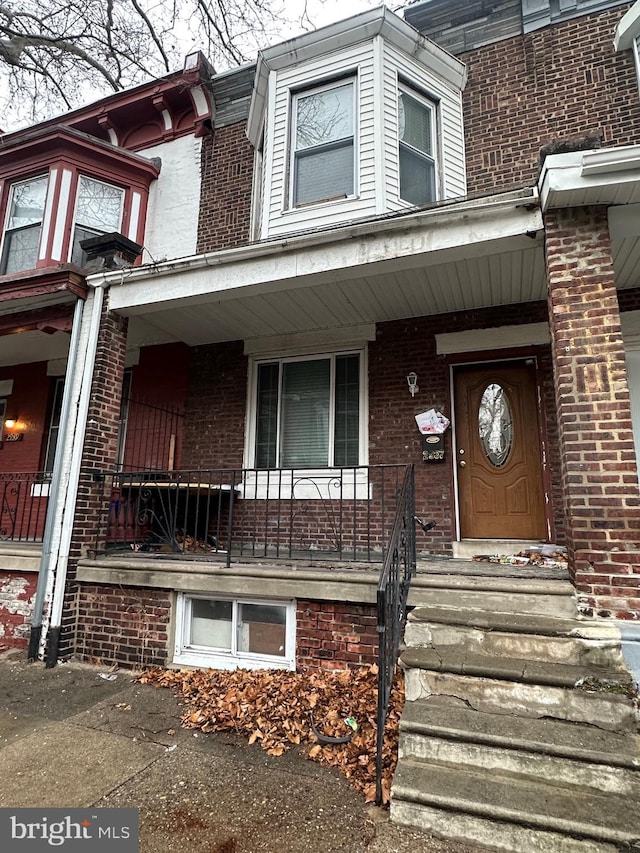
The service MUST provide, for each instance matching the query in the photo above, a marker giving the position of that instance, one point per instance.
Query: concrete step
(522, 687)
(497, 594)
(526, 636)
(506, 813)
(444, 717)
(524, 748)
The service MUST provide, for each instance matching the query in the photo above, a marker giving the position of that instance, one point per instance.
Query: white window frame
(77, 224)
(351, 80)
(188, 654)
(432, 107)
(250, 449)
(6, 230)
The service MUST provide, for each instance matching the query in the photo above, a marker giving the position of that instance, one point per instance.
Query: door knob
(462, 463)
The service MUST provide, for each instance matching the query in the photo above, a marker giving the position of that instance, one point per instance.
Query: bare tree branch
(55, 54)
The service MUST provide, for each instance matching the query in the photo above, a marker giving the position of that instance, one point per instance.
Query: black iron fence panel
(23, 506)
(150, 436)
(395, 578)
(344, 514)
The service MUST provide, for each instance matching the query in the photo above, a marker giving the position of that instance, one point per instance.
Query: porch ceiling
(515, 274)
(464, 256)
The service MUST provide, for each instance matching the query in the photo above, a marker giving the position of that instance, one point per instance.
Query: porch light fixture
(412, 382)
(10, 423)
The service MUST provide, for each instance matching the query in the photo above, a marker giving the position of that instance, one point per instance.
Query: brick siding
(560, 82)
(131, 627)
(99, 454)
(335, 635)
(599, 474)
(17, 590)
(124, 626)
(225, 201)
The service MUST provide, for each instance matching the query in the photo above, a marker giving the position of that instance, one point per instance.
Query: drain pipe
(44, 571)
(65, 509)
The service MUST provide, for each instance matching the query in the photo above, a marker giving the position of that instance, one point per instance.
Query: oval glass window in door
(495, 424)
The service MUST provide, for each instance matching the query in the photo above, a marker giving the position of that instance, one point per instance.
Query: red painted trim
(56, 317)
(66, 280)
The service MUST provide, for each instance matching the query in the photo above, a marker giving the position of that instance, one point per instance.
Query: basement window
(226, 633)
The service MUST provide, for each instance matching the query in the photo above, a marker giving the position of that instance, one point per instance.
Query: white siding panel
(450, 114)
(174, 200)
(282, 220)
(372, 106)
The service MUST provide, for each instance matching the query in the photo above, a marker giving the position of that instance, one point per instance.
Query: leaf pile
(278, 709)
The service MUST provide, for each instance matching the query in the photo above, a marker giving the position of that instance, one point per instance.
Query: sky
(303, 16)
(322, 12)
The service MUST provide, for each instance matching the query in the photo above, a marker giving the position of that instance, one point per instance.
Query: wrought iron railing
(393, 588)
(344, 514)
(23, 506)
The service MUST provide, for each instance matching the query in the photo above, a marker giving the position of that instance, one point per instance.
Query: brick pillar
(98, 457)
(599, 476)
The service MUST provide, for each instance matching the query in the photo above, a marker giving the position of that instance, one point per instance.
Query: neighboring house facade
(377, 236)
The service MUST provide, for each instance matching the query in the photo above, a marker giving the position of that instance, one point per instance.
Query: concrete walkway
(70, 737)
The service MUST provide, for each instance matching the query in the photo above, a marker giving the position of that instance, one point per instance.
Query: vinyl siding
(360, 60)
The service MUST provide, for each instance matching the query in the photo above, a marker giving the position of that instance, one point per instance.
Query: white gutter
(44, 573)
(70, 475)
(277, 246)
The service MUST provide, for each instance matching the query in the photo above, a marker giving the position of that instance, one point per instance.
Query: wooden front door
(498, 458)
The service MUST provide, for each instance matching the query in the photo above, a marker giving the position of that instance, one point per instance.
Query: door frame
(503, 357)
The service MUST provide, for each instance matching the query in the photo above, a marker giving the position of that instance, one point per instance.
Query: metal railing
(23, 506)
(395, 577)
(344, 514)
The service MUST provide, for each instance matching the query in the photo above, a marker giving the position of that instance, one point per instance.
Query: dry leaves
(273, 708)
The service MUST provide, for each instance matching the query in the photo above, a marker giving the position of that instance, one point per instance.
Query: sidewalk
(69, 737)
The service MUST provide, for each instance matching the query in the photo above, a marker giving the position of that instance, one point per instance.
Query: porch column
(98, 457)
(599, 475)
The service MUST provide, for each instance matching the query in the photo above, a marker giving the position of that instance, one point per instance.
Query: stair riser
(495, 834)
(567, 650)
(527, 765)
(526, 700)
(560, 606)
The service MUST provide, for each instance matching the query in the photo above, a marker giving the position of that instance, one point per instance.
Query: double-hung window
(23, 225)
(323, 161)
(98, 211)
(417, 147)
(308, 412)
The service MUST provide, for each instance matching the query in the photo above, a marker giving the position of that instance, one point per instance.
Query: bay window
(308, 412)
(417, 147)
(98, 211)
(323, 144)
(23, 225)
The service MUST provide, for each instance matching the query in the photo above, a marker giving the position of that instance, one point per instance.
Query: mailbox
(432, 448)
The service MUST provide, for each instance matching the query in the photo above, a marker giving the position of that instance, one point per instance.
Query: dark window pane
(417, 177)
(347, 404)
(324, 173)
(267, 419)
(305, 414)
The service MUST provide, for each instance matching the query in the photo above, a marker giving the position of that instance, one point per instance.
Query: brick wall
(131, 627)
(17, 590)
(94, 496)
(225, 205)
(561, 82)
(215, 408)
(126, 626)
(408, 345)
(335, 635)
(30, 401)
(599, 474)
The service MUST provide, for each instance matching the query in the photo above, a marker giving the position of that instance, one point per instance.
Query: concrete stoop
(520, 728)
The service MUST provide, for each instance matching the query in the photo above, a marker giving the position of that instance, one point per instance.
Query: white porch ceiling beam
(433, 237)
